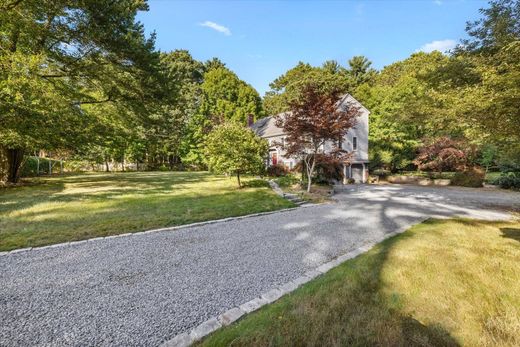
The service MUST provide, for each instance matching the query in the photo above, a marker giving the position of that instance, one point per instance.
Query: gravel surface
(145, 289)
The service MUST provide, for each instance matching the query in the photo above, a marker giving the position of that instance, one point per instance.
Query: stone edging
(139, 233)
(204, 329)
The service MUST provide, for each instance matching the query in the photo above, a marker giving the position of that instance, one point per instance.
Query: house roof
(266, 127)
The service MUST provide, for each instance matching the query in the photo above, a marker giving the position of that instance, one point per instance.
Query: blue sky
(260, 40)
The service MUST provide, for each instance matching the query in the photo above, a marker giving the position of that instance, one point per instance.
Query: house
(355, 141)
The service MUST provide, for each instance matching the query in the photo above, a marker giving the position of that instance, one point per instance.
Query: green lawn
(61, 209)
(442, 283)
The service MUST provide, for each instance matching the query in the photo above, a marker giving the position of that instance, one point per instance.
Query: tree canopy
(234, 149)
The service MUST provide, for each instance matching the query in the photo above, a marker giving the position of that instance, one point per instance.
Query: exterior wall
(282, 159)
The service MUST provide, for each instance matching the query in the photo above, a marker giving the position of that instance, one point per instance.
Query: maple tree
(317, 121)
(443, 154)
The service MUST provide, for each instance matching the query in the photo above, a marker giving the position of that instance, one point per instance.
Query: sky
(261, 40)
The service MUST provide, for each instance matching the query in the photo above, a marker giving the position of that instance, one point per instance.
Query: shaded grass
(441, 283)
(78, 207)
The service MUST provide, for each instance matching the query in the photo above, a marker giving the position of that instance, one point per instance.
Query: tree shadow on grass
(511, 233)
(349, 306)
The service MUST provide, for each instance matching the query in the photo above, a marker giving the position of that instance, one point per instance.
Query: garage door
(357, 173)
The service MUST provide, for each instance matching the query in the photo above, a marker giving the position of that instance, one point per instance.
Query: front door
(274, 158)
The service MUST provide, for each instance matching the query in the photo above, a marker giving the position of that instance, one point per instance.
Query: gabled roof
(266, 127)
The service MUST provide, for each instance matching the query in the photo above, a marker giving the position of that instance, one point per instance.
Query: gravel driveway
(142, 290)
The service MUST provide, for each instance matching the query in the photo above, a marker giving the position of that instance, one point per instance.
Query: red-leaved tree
(444, 153)
(315, 126)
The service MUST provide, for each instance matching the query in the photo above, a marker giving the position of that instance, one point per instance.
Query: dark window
(354, 143)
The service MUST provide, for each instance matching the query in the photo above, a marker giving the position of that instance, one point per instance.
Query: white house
(355, 141)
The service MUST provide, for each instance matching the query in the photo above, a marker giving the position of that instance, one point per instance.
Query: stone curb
(140, 233)
(187, 338)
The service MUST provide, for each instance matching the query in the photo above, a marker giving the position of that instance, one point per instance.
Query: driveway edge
(204, 329)
(139, 233)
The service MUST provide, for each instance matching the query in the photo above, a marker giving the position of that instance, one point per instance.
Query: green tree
(225, 98)
(233, 149)
(286, 88)
(58, 56)
(166, 128)
(359, 70)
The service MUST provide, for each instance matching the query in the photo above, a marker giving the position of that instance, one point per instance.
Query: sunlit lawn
(78, 207)
(442, 283)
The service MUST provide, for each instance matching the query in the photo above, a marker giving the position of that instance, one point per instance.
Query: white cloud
(220, 28)
(437, 2)
(440, 45)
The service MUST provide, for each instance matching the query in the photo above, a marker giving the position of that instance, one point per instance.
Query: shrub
(508, 180)
(276, 170)
(287, 181)
(328, 171)
(470, 178)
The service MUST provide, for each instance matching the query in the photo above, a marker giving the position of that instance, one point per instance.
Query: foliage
(56, 58)
(234, 149)
(444, 154)
(473, 177)
(225, 98)
(287, 180)
(315, 120)
(508, 180)
(330, 77)
(276, 170)
(30, 166)
(328, 171)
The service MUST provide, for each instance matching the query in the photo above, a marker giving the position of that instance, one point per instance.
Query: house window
(354, 143)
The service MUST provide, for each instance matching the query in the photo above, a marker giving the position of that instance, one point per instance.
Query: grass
(61, 209)
(290, 183)
(441, 283)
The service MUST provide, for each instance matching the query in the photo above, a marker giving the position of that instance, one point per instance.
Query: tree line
(83, 80)
(468, 97)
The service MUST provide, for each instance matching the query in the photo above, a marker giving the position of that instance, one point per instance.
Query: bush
(327, 172)
(287, 181)
(276, 170)
(469, 178)
(508, 180)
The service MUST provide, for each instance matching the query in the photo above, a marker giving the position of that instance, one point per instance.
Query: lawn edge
(165, 229)
(211, 325)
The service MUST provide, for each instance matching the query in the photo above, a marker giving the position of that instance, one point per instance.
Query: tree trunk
(238, 179)
(15, 158)
(310, 170)
(107, 169)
